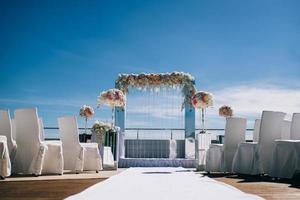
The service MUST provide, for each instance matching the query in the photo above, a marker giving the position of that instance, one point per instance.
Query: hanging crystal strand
(202, 120)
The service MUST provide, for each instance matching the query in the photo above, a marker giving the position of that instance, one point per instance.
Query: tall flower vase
(113, 117)
(203, 121)
(85, 130)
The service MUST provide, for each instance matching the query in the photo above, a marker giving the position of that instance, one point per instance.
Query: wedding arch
(150, 81)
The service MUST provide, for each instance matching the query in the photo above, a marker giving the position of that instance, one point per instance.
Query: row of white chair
(31, 154)
(275, 149)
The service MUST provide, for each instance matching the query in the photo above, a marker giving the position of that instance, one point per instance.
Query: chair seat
(216, 146)
(286, 158)
(95, 145)
(52, 142)
(53, 161)
(287, 141)
(92, 158)
(3, 138)
(5, 165)
(246, 159)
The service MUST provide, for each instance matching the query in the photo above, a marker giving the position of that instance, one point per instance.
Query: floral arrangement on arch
(225, 111)
(202, 100)
(151, 80)
(112, 97)
(86, 111)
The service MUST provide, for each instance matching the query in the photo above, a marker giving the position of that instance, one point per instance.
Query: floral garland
(225, 111)
(112, 97)
(202, 100)
(86, 111)
(124, 81)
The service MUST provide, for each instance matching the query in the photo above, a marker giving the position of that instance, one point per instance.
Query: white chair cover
(270, 130)
(286, 130)
(77, 156)
(31, 151)
(13, 129)
(173, 148)
(55, 150)
(286, 154)
(248, 157)
(41, 128)
(108, 158)
(6, 130)
(295, 127)
(35, 156)
(256, 130)
(219, 157)
(5, 165)
(240, 162)
(203, 143)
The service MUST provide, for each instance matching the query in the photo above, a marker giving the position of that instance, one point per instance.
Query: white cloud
(249, 100)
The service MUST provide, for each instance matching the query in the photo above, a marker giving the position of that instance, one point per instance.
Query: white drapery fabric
(203, 141)
(286, 153)
(54, 149)
(31, 151)
(255, 158)
(241, 162)
(219, 157)
(286, 130)
(33, 154)
(270, 130)
(161, 184)
(173, 149)
(6, 130)
(108, 158)
(77, 156)
(5, 165)
(256, 130)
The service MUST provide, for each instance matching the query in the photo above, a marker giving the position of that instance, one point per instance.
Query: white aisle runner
(161, 184)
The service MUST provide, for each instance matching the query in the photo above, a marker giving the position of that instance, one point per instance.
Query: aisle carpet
(161, 184)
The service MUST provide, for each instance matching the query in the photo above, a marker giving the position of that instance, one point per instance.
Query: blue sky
(60, 55)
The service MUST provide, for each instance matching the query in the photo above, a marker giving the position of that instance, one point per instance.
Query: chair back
(235, 131)
(28, 138)
(69, 135)
(13, 129)
(256, 130)
(295, 127)
(68, 130)
(270, 130)
(5, 127)
(286, 130)
(41, 128)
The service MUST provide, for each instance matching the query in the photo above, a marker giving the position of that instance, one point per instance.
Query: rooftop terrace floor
(59, 187)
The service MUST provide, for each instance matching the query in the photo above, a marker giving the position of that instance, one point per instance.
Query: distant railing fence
(147, 142)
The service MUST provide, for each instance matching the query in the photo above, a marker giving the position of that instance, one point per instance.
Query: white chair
(77, 156)
(256, 130)
(54, 148)
(6, 130)
(240, 162)
(286, 130)
(5, 165)
(32, 152)
(255, 158)
(13, 128)
(219, 157)
(41, 128)
(286, 153)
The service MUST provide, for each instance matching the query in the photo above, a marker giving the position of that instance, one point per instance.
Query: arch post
(189, 127)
